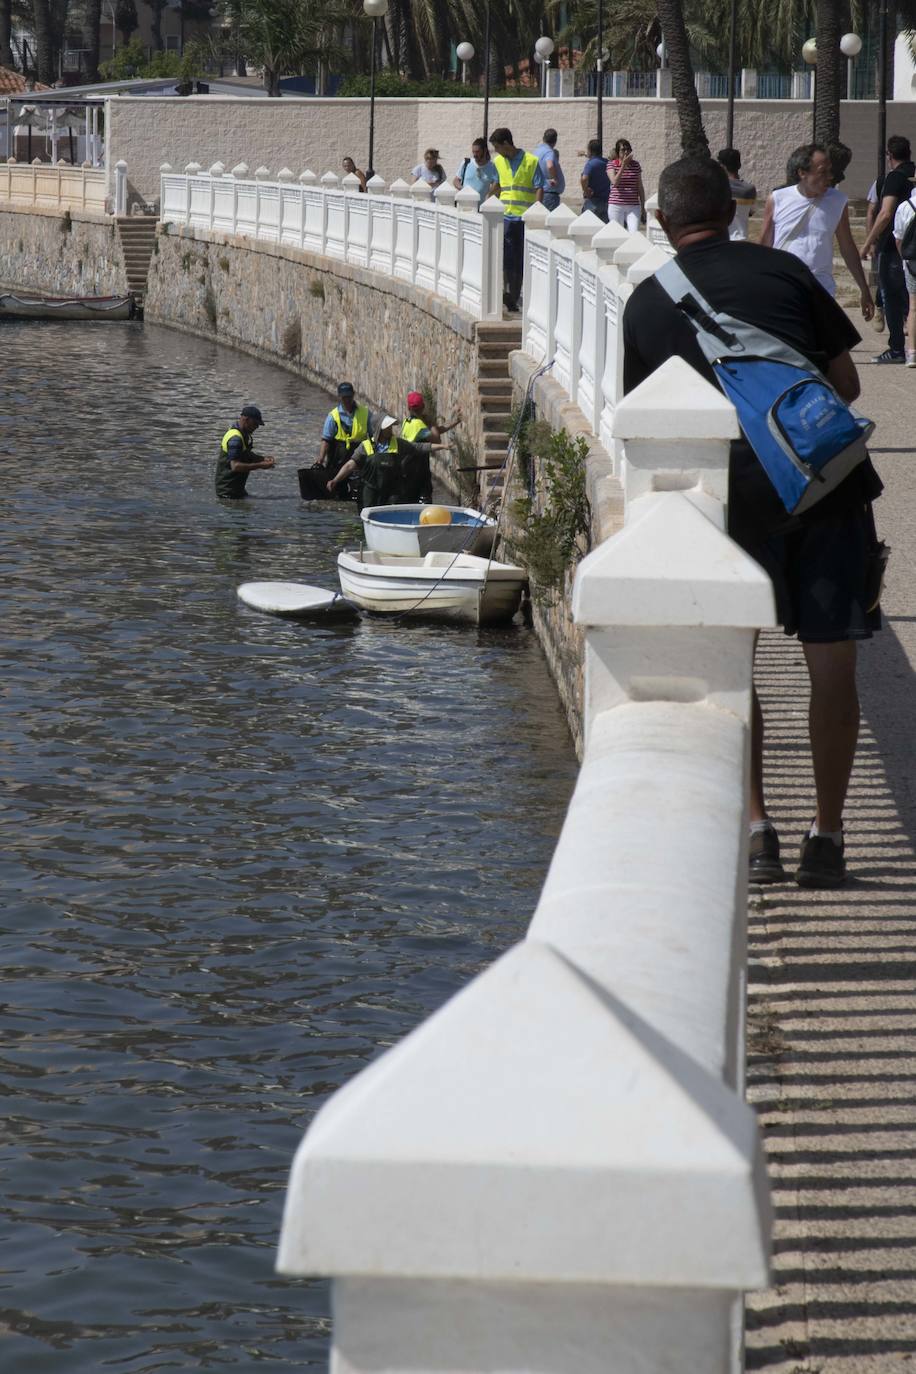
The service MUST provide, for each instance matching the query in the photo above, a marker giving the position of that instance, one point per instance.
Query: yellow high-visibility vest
(517, 192)
(412, 427)
(360, 428)
(235, 433)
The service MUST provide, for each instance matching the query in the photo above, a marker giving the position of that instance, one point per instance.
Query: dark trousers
(513, 258)
(895, 295)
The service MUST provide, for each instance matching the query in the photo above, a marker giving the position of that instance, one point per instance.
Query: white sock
(758, 827)
(835, 835)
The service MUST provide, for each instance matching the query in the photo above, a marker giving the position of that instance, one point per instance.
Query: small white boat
(397, 529)
(440, 584)
(67, 307)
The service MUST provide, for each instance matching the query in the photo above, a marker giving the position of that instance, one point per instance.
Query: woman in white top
(906, 213)
(803, 217)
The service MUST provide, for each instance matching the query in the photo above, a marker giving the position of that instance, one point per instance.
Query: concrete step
(492, 367)
(500, 329)
(496, 348)
(499, 421)
(495, 405)
(495, 386)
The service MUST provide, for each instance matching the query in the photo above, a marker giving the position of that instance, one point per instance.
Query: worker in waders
(391, 471)
(347, 426)
(417, 428)
(237, 457)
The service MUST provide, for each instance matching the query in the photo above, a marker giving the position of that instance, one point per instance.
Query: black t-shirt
(897, 184)
(762, 286)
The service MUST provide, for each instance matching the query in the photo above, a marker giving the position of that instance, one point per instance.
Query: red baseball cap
(414, 399)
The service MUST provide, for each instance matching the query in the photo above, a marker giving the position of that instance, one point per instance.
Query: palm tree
(683, 87)
(6, 30)
(44, 46)
(93, 20)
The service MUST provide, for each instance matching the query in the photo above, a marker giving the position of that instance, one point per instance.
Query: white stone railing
(579, 274)
(55, 186)
(557, 1171)
(441, 244)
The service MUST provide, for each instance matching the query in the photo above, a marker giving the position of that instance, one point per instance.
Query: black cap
(345, 389)
(252, 413)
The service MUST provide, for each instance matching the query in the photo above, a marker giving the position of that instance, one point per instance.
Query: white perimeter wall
(317, 134)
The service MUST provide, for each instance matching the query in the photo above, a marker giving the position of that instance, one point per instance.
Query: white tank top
(805, 226)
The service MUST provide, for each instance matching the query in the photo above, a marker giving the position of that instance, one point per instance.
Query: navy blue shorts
(819, 565)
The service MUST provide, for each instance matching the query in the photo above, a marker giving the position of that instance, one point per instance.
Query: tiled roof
(13, 83)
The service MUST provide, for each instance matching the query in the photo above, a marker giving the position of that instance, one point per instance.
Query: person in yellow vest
(347, 426)
(391, 471)
(417, 428)
(521, 183)
(237, 456)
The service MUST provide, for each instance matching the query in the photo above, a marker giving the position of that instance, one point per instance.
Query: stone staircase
(138, 236)
(495, 341)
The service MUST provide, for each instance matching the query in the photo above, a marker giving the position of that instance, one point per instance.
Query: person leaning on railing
(521, 183)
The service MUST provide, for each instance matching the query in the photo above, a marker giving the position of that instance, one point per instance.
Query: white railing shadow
(557, 1171)
(440, 244)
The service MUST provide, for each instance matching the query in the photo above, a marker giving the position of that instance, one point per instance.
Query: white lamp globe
(544, 46)
(660, 52)
(809, 51)
(850, 45)
(538, 58)
(375, 9)
(465, 52)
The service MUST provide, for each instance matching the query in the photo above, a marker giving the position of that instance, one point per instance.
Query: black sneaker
(821, 863)
(889, 356)
(763, 858)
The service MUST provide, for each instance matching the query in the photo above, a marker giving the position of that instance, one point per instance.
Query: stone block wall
(326, 320)
(60, 252)
(319, 133)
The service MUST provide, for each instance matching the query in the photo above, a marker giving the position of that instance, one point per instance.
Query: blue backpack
(807, 439)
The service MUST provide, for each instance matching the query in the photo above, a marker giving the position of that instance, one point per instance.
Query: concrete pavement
(832, 998)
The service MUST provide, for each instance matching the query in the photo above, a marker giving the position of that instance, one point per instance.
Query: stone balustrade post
(284, 174)
(376, 186)
(120, 195)
(329, 181)
(420, 191)
(535, 284)
(399, 189)
(492, 259)
(467, 200)
(350, 182)
(307, 178)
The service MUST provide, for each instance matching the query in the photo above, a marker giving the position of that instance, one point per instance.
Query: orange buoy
(435, 515)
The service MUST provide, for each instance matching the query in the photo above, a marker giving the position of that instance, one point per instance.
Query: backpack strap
(719, 335)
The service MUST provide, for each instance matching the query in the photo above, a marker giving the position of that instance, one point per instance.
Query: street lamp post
(599, 123)
(376, 10)
(850, 47)
(732, 64)
(809, 54)
(486, 72)
(465, 54)
(542, 49)
(882, 90)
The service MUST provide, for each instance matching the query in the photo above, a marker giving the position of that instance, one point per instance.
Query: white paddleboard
(292, 598)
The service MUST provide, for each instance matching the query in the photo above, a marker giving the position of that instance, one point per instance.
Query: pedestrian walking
(520, 184)
(871, 212)
(429, 170)
(744, 193)
(549, 161)
(351, 169)
(595, 182)
(627, 198)
(476, 172)
(821, 562)
(804, 217)
(893, 189)
(237, 458)
(906, 214)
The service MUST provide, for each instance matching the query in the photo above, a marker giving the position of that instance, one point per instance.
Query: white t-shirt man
(805, 226)
(906, 212)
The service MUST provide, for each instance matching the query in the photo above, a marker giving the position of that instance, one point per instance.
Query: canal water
(239, 855)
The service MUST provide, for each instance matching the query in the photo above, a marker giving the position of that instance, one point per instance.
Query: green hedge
(390, 84)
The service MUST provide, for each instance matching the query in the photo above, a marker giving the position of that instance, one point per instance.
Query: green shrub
(389, 84)
(556, 524)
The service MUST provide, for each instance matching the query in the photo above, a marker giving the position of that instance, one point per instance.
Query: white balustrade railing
(558, 1170)
(579, 274)
(54, 185)
(448, 244)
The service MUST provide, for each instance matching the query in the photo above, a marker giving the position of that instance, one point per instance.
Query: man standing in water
(237, 456)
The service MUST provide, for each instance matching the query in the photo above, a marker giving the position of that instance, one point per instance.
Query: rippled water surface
(239, 855)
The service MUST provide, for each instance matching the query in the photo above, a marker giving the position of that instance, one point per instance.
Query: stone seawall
(326, 320)
(60, 252)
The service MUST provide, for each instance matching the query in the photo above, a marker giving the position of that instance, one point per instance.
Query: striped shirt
(626, 192)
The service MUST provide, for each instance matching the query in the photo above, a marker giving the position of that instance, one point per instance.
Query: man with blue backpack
(754, 321)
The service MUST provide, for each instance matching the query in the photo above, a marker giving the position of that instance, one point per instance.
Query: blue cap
(252, 413)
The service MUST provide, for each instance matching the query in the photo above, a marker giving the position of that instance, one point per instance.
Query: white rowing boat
(440, 584)
(398, 529)
(67, 307)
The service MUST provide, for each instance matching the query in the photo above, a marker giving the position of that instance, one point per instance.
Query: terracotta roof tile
(13, 83)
